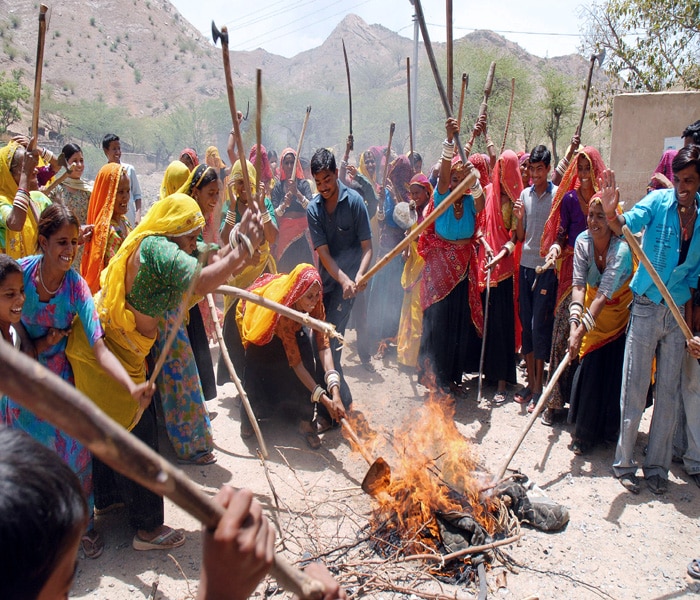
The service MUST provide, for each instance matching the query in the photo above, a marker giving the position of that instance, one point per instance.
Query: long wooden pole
(546, 393)
(258, 138)
(234, 376)
(387, 156)
(301, 141)
(450, 53)
(488, 86)
(51, 398)
(38, 68)
(458, 192)
(283, 310)
(670, 302)
(510, 113)
(410, 117)
(465, 83)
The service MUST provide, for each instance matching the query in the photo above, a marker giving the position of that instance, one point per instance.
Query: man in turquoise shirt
(672, 243)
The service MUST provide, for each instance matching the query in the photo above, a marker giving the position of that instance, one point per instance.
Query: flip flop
(172, 538)
(523, 395)
(201, 459)
(499, 398)
(694, 568)
(92, 544)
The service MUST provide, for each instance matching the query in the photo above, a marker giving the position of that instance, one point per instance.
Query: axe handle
(347, 74)
(465, 83)
(301, 141)
(386, 167)
(458, 192)
(585, 97)
(670, 302)
(410, 117)
(38, 68)
(56, 401)
(258, 137)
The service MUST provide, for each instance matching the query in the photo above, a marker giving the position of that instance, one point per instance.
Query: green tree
(558, 106)
(12, 93)
(651, 45)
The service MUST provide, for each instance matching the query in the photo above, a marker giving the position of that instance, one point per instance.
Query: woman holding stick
(265, 262)
(147, 278)
(55, 296)
(449, 293)
(567, 219)
(290, 199)
(498, 229)
(279, 358)
(598, 316)
(20, 202)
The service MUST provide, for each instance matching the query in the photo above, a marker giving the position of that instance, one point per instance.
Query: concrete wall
(640, 124)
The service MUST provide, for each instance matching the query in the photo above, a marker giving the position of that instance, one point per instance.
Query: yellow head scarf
(213, 159)
(237, 174)
(256, 323)
(99, 214)
(175, 175)
(18, 243)
(177, 215)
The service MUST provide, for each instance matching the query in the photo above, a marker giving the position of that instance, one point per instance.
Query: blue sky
(287, 27)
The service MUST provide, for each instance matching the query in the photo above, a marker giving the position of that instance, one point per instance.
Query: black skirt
(202, 355)
(499, 354)
(595, 393)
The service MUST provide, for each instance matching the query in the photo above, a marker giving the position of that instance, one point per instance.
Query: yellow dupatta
(100, 209)
(177, 215)
(257, 324)
(174, 177)
(19, 243)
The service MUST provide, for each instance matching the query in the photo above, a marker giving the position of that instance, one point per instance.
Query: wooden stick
(510, 112)
(387, 156)
(258, 141)
(449, 75)
(38, 68)
(465, 84)
(234, 376)
(484, 105)
(670, 302)
(283, 310)
(301, 141)
(51, 398)
(458, 192)
(223, 34)
(546, 393)
(347, 76)
(410, 118)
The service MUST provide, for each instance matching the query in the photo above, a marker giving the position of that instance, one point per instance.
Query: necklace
(687, 221)
(41, 280)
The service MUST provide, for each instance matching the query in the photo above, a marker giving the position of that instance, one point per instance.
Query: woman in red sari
(498, 226)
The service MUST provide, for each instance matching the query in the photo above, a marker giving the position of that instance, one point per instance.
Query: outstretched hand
(609, 192)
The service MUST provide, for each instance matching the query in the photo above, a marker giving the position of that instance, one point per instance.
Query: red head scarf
(280, 169)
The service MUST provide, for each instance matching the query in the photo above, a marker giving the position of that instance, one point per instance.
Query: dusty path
(616, 545)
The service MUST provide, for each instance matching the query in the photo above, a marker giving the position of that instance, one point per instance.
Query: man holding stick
(672, 243)
(340, 232)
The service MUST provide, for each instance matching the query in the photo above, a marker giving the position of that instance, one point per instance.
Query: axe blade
(600, 57)
(217, 34)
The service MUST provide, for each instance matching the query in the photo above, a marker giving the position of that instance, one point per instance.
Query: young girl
(11, 300)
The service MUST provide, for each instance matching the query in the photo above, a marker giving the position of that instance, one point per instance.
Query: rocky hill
(145, 58)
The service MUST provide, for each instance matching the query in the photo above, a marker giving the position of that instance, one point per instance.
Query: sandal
(548, 417)
(108, 509)
(206, 457)
(694, 568)
(167, 540)
(458, 390)
(630, 482)
(92, 544)
(523, 395)
(499, 398)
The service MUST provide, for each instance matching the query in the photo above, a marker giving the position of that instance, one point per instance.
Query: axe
(600, 57)
(410, 119)
(222, 34)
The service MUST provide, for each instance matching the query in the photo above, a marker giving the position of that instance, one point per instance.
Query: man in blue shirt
(672, 243)
(340, 232)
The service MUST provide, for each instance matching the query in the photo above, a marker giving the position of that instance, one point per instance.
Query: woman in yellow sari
(235, 210)
(281, 372)
(147, 277)
(598, 315)
(19, 207)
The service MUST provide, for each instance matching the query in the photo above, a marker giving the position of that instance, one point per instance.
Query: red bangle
(613, 218)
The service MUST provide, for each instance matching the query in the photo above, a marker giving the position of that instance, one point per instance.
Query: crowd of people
(91, 286)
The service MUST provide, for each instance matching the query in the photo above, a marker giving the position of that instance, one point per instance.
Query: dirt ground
(616, 545)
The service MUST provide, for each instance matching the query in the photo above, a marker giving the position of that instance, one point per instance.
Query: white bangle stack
(316, 394)
(448, 150)
(332, 379)
(21, 200)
